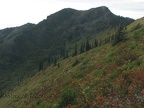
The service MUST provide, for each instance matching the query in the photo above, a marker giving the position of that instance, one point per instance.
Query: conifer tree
(81, 48)
(49, 59)
(96, 43)
(119, 36)
(87, 47)
(100, 42)
(66, 55)
(54, 61)
(40, 66)
(75, 53)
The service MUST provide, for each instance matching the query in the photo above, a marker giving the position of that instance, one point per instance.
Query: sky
(18, 12)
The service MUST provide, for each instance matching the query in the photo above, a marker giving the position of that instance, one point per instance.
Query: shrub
(75, 63)
(83, 64)
(41, 104)
(68, 97)
(115, 74)
(108, 59)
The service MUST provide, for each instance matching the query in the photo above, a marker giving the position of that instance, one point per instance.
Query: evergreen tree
(62, 52)
(87, 47)
(40, 66)
(75, 50)
(49, 60)
(66, 55)
(81, 48)
(119, 36)
(96, 43)
(112, 38)
(54, 61)
(100, 42)
(75, 53)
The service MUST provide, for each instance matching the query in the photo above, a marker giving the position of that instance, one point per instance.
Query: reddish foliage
(87, 101)
(138, 77)
(137, 82)
(101, 100)
(100, 66)
(69, 105)
(73, 82)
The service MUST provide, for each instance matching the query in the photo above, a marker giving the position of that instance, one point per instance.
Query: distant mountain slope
(105, 76)
(22, 49)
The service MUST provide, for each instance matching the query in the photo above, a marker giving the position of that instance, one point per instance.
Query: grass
(103, 76)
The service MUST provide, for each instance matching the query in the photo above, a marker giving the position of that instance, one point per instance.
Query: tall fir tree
(40, 66)
(88, 46)
(76, 49)
(95, 43)
(119, 36)
(54, 61)
(66, 55)
(82, 48)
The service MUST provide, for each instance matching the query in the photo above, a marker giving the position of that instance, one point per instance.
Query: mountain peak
(101, 9)
(68, 9)
(24, 47)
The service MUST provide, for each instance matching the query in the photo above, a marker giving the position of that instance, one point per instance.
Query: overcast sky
(18, 12)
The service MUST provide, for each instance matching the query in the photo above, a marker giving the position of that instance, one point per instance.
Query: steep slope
(106, 76)
(8, 58)
(25, 48)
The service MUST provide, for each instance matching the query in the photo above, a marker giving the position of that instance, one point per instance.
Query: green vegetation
(30, 48)
(68, 97)
(86, 72)
(118, 36)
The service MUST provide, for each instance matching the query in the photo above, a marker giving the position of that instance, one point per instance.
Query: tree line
(84, 47)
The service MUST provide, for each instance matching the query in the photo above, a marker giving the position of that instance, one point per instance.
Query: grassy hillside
(107, 76)
(26, 49)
